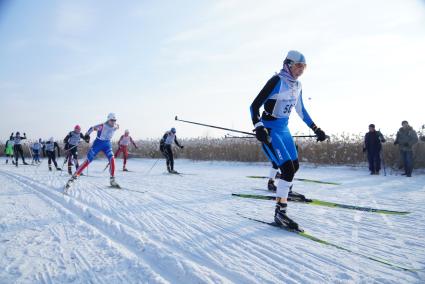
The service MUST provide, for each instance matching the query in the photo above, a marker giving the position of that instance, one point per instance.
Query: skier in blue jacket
(279, 96)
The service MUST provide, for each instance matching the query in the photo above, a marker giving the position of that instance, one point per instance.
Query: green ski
(326, 204)
(315, 239)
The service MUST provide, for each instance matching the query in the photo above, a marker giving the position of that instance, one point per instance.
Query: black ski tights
(17, 150)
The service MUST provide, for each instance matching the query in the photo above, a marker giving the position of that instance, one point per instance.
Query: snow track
(184, 229)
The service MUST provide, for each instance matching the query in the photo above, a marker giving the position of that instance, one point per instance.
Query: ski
(302, 179)
(320, 241)
(325, 204)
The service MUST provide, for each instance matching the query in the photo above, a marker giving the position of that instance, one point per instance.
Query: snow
(165, 228)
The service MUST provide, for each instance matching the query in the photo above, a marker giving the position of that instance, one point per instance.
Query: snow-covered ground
(185, 229)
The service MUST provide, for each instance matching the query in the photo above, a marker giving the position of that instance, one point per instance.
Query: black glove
(25, 135)
(181, 147)
(395, 142)
(321, 135)
(262, 134)
(364, 150)
(87, 138)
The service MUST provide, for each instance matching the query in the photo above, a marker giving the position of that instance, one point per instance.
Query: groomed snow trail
(165, 228)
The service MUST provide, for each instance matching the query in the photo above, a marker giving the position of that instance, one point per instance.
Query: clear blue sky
(69, 62)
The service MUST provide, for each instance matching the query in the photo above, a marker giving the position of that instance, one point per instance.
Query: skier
(50, 147)
(72, 140)
(165, 147)
(36, 148)
(373, 145)
(123, 144)
(8, 149)
(280, 94)
(406, 138)
(105, 131)
(17, 147)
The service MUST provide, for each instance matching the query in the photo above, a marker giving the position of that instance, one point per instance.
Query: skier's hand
(364, 150)
(87, 138)
(25, 135)
(262, 134)
(321, 135)
(395, 142)
(181, 147)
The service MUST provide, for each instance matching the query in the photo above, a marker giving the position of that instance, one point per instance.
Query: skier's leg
(94, 150)
(370, 162)
(21, 152)
(409, 163)
(171, 158)
(377, 162)
(75, 157)
(49, 161)
(125, 154)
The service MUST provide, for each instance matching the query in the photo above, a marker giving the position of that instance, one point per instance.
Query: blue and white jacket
(279, 96)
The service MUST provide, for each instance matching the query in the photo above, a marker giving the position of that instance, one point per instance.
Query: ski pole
(213, 126)
(157, 160)
(252, 135)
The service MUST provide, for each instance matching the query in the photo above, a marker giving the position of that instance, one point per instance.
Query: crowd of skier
(280, 95)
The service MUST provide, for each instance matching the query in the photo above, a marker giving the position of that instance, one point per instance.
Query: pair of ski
(302, 233)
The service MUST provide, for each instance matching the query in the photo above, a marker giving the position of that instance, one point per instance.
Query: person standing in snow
(373, 146)
(105, 131)
(36, 148)
(17, 147)
(165, 146)
(72, 140)
(279, 96)
(406, 138)
(50, 147)
(8, 149)
(123, 144)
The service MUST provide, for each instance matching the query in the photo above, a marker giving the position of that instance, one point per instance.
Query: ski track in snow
(164, 228)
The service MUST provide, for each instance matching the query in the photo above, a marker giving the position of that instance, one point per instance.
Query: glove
(262, 134)
(87, 138)
(364, 150)
(25, 135)
(181, 147)
(321, 135)
(395, 142)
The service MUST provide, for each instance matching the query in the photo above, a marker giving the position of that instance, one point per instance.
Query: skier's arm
(177, 142)
(302, 112)
(132, 141)
(269, 89)
(414, 138)
(65, 140)
(56, 145)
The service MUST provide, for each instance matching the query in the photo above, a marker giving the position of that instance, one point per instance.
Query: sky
(64, 63)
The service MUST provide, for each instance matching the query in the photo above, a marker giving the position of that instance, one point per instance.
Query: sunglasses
(300, 65)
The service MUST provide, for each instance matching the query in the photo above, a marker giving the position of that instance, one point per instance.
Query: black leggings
(52, 157)
(168, 154)
(17, 150)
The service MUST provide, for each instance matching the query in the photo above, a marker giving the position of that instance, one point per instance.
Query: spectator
(406, 138)
(373, 146)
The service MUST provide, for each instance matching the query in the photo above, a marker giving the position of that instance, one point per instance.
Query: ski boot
(58, 169)
(70, 182)
(124, 170)
(25, 163)
(271, 186)
(114, 183)
(172, 171)
(283, 220)
(169, 169)
(70, 170)
(50, 168)
(7, 162)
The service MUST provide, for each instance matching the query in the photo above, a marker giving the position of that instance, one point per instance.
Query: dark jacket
(373, 141)
(406, 138)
